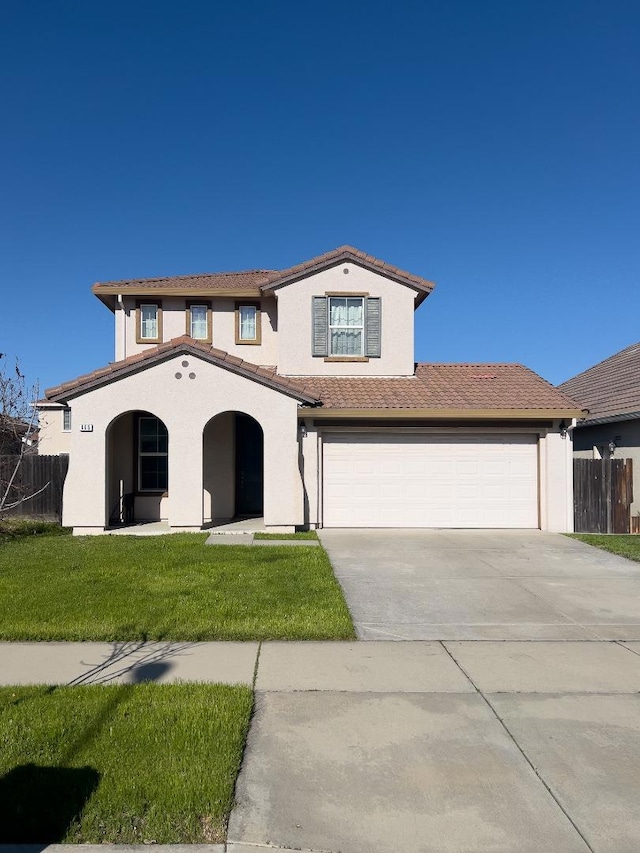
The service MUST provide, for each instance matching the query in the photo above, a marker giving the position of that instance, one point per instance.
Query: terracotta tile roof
(119, 369)
(444, 386)
(461, 387)
(611, 388)
(347, 253)
(257, 281)
(249, 279)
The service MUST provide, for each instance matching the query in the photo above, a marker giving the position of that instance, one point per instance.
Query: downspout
(124, 325)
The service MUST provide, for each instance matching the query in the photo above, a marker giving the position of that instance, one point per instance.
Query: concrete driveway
(525, 744)
(483, 585)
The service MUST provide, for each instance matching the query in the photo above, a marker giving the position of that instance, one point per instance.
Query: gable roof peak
(279, 278)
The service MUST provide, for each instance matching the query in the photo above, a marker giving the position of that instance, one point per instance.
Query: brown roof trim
(443, 414)
(348, 253)
(162, 352)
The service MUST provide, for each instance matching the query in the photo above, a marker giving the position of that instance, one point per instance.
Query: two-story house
(293, 395)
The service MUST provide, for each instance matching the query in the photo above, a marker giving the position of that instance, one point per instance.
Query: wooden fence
(602, 494)
(34, 474)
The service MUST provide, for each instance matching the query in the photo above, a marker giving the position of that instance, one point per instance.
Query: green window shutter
(373, 323)
(320, 323)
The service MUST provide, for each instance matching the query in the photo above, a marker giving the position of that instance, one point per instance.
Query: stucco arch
(129, 499)
(233, 466)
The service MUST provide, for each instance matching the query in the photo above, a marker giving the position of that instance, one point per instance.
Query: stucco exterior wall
(53, 439)
(185, 405)
(556, 482)
(174, 325)
(219, 468)
(295, 324)
(626, 435)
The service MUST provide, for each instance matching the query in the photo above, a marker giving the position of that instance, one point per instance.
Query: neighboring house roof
(184, 344)
(610, 390)
(255, 282)
(455, 388)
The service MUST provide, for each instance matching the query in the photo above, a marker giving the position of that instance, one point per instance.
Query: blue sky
(489, 146)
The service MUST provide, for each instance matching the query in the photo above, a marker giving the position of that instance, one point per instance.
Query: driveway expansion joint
(522, 752)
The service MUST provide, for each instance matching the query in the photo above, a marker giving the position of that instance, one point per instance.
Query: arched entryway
(233, 468)
(137, 444)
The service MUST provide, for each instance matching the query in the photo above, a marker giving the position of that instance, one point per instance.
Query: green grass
(304, 534)
(625, 546)
(121, 764)
(166, 587)
(15, 527)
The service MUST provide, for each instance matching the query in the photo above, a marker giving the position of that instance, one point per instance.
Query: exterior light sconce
(612, 446)
(302, 430)
(563, 429)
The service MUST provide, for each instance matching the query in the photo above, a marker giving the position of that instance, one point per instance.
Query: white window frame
(255, 322)
(147, 453)
(141, 338)
(205, 308)
(336, 327)
(66, 419)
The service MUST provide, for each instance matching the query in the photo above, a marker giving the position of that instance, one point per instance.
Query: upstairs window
(66, 420)
(148, 322)
(248, 326)
(153, 455)
(346, 326)
(199, 321)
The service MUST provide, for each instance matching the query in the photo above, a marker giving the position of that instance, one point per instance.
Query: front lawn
(166, 588)
(625, 546)
(124, 764)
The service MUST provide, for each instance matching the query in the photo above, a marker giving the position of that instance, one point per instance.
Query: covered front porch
(195, 454)
(138, 453)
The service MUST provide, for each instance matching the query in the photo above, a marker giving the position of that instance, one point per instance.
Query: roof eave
(53, 395)
(422, 289)
(449, 414)
(607, 419)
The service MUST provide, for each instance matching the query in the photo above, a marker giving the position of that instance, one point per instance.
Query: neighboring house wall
(53, 438)
(185, 406)
(295, 324)
(174, 325)
(626, 435)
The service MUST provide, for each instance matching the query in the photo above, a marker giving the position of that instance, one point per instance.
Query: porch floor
(161, 528)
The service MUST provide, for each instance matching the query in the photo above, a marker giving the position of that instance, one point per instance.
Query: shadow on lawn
(39, 804)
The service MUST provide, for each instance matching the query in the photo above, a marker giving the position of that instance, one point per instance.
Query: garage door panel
(376, 480)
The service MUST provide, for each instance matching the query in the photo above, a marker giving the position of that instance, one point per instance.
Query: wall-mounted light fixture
(612, 446)
(302, 430)
(563, 429)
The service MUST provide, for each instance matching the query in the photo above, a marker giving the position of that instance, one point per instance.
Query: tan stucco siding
(53, 439)
(295, 324)
(174, 325)
(185, 405)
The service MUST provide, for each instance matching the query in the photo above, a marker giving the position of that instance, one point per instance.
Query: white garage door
(385, 480)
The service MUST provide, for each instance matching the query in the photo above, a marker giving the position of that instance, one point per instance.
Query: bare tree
(18, 426)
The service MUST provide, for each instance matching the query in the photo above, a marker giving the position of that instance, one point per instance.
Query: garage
(428, 480)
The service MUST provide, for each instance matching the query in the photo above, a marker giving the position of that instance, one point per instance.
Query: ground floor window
(153, 455)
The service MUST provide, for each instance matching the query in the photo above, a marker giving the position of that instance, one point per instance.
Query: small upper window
(199, 316)
(149, 321)
(248, 323)
(346, 326)
(66, 420)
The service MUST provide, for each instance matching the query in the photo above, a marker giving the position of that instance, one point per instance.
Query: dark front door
(249, 466)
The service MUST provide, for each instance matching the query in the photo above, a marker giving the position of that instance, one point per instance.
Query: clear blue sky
(493, 147)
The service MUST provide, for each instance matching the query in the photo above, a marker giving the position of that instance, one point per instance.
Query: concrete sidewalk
(415, 746)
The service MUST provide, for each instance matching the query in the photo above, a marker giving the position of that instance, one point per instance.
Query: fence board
(603, 493)
(35, 473)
